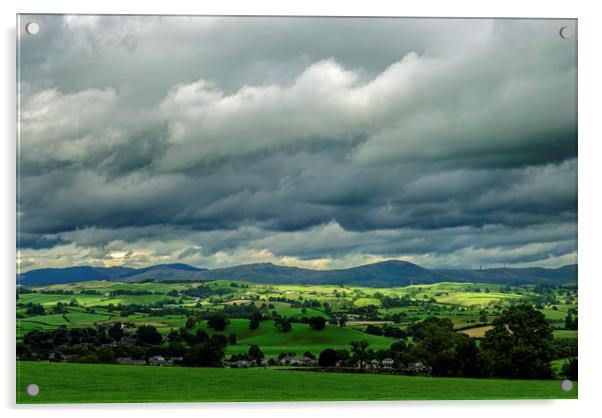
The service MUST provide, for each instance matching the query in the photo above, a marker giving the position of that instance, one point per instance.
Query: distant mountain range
(384, 274)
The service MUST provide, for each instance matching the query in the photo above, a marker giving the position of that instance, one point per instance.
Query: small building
(306, 361)
(416, 365)
(387, 363)
(157, 361)
(243, 363)
(418, 368)
(55, 357)
(288, 361)
(129, 360)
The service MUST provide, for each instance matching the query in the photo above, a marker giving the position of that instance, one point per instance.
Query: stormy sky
(314, 142)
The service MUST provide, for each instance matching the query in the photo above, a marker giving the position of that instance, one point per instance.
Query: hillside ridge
(387, 273)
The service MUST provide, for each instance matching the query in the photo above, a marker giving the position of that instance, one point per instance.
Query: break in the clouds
(316, 142)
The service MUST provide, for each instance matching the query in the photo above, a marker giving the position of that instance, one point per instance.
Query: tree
(217, 322)
(483, 317)
(176, 349)
(359, 350)
(435, 344)
(254, 322)
(327, 358)
(467, 357)
(374, 330)
(317, 323)
(190, 322)
(207, 354)
(520, 344)
(148, 334)
(399, 346)
(255, 353)
(35, 309)
(200, 336)
(116, 332)
(59, 308)
(105, 355)
(569, 370)
(221, 339)
(343, 354)
(283, 325)
(569, 323)
(232, 339)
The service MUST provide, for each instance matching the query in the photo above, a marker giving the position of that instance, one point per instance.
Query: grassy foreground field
(84, 383)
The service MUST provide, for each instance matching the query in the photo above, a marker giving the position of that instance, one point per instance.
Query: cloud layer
(315, 142)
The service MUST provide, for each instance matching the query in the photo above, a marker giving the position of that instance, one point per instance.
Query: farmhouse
(237, 363)
(418, 368)
(306, 361)
(157, 361)
(129, 360)
(298, 361)
(415, 365)
(288, 360)
(245, 363)
(387, 363)
(162, 361)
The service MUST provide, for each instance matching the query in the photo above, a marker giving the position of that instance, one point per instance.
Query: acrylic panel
(225, 209)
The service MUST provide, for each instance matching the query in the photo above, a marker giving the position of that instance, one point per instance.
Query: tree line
(520, 345)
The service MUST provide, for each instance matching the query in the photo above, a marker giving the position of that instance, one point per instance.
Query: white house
(387, 363)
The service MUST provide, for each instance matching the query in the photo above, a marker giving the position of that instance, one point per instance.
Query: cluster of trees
(387, 331)
(396, 301)
(520, 345)
(132, 292)
(56, 292)
(104, 344)
(570, 322)
(254, 354)
(202, 291)
(22, 290)
(36, 309)
(159, 308)
(90, 292)
(283, 324)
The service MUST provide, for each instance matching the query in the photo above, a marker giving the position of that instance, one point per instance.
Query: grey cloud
(223, 140)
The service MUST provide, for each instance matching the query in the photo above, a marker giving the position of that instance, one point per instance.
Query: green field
(299, 340)
(85, 383)
(563, 333)
(348, 310)
(472, 298)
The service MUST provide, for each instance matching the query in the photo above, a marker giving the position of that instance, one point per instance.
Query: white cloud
(415, 109)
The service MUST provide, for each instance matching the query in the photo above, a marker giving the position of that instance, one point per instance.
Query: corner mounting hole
(32, 389)
(565, 32)
(566, 385)
(32, 28)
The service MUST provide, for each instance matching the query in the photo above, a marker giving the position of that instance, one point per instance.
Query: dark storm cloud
(221, 140)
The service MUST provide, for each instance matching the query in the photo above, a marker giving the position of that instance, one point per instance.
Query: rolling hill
(384, 274)
(87, 273)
